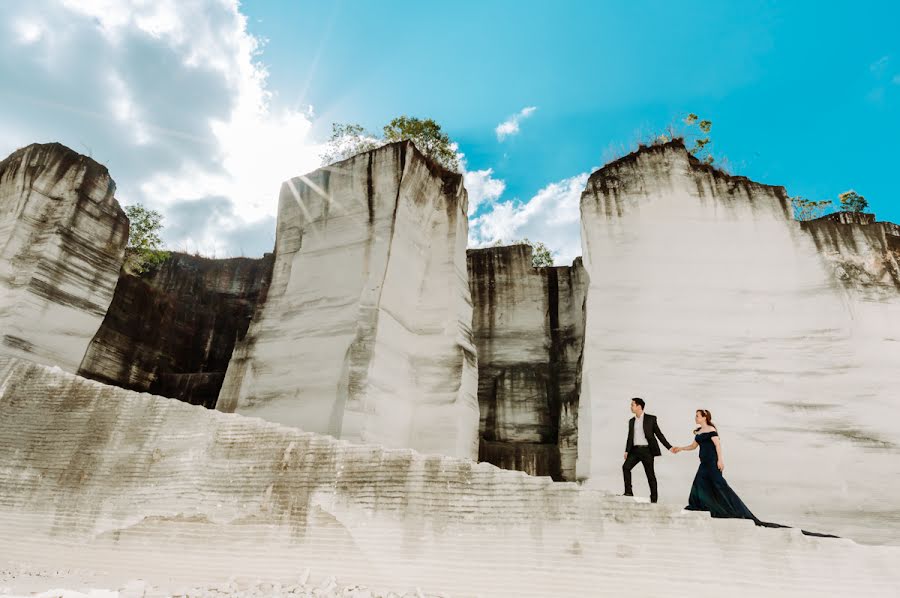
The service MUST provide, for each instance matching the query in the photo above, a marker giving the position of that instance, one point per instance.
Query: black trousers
(642, 455)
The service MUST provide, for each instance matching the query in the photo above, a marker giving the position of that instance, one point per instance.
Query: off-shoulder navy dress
(710, 492)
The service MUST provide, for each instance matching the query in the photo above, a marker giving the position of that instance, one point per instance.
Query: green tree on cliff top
(809, 209)
(851, 201)
(144, 250)
(701, 140)
(541, 255)
(427, 136)
(347, 140)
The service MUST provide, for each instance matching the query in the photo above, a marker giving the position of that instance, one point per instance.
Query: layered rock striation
(529, 331)
(172, 331)
(105, 481)
(62, 242)
(864, 255)
(704, 293)
(366, 331)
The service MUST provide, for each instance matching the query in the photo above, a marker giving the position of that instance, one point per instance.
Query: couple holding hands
(709, 492)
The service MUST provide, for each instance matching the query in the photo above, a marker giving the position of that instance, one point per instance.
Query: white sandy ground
(29, 582)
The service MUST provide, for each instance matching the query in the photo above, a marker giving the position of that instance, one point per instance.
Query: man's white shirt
(640, 439)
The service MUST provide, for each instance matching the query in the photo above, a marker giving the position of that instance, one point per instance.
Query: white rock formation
(62, 241)
(366, 331)
(113, 485)
(704, 293)
(529, 330)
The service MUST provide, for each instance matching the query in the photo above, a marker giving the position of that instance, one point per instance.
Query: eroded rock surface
(366, 331)
(529, 330)
(62, 241)
(864, 255)
(172, 332)
(704, 293)
(95, 478)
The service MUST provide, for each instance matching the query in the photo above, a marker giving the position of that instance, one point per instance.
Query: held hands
(675, 450)
(721, 465)
(626, 455)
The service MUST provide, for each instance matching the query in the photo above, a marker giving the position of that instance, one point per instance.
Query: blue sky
(802, 94)
(805, 94)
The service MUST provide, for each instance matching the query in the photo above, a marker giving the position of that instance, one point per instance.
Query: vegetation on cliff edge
(541, 255)
(347, 140)
(144, 250)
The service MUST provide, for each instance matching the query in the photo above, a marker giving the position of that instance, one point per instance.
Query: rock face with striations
(98, 482)
(862, 254)
(62, 241)
(529, 329)
(172, 332)
(704, 293)
(366, 334)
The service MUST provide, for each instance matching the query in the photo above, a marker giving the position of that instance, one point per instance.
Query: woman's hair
(705, 413)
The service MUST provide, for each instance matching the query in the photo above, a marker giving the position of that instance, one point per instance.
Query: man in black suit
(642, 447)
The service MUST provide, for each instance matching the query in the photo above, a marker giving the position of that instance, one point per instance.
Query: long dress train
(710, 492)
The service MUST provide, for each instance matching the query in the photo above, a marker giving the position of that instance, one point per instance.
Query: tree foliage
(809, 209)
(144, 250)
(427, 136)
(347, 140)
(701, 140)
(541, 255)
(695, 132)
(851, 201)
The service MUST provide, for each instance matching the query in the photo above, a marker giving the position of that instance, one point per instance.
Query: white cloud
(510, 126)
(482, 188)
(481, 185)
(551, 216)
(170, 96)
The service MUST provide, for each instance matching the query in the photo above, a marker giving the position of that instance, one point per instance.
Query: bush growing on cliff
(540, 256)
(701, 140)
(347, 140)
(808, 209)
(143, 252)
(851, 201)
(694, 131)
(427, 136)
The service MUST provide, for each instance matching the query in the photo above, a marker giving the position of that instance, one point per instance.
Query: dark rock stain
(173, 331)
(370, 189)
(513, 362)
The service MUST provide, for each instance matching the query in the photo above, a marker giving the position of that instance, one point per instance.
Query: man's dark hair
(640, 402)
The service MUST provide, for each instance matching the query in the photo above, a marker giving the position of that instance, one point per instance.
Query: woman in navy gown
(710, 492)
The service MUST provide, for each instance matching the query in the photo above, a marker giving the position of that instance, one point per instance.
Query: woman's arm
(689, 447)
(721, 460)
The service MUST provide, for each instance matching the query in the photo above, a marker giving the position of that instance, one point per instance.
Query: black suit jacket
(651, 431)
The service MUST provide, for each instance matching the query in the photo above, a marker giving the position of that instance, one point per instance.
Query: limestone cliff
(107, 481)
(172, 331)
(366, 331)
(62, 241)
(529, 330)
(704, 293)
(864, 255)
